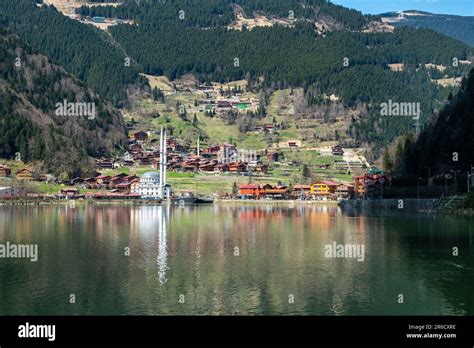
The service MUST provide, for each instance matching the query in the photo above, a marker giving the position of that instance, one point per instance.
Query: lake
(235, 260)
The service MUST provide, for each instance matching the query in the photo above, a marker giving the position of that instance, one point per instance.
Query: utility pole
(455, 172)
(417, 127)
(469, 178)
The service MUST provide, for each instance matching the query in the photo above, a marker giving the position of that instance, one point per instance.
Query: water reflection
(163, 213)
(190, 251)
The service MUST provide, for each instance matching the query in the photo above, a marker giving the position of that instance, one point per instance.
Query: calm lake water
(228, 260)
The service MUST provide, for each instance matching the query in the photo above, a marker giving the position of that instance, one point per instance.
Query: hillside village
(234, 146)
(256, 171)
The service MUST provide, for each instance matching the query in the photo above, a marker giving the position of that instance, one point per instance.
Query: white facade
(150, 185)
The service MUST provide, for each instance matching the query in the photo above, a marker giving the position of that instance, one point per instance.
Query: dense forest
(448, 141)
(211, 13)
(30, 88)
(83, 50)
(294, 56)
(177, 37)
(299, 57)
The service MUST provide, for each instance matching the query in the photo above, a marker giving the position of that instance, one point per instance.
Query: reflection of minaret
(161, 259)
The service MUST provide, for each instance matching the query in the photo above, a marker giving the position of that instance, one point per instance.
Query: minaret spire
(160, 189)
(165, 161)
(198, 147)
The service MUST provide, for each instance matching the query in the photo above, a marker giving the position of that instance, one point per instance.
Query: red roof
(300, 187)
(249, 186)
(123, 185)
(329, 183)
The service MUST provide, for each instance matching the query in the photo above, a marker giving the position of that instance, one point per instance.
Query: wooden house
(337, 150)
(237, 167)
(140, 136)
(251, 190)
(90, 183)
(5, 171)
(301, 189)
(103, 180)
(261, 168)
(24, 174)
(345, 191)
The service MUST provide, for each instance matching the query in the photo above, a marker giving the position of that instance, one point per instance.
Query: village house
(103, 180)
(237, 167)
(140, 136)
(11, 192)
(77, 181)
(128, 163)
(337, 150)
(224, 104)
(24, 174)
(69, 192)
(345, 191)
(273, 156)
(145, 161)
(221, 168)
(5, 171)
(105, 163)
(275, 192)
(324, 188)
(250, 190)
(261, 168)
(293, 143)
(90, 183)
(136, 148)
(301, 190)
(124, 188)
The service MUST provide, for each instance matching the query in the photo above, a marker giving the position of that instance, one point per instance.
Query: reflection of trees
(429, 242)
(190, 251)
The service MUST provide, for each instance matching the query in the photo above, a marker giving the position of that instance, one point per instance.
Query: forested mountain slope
(448, 142)
(324, 48)
(180, 37)
(30, 89)
(83, 50)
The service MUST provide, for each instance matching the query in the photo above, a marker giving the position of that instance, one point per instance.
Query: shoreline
(347, 204)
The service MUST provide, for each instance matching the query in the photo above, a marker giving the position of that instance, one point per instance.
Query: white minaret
(198, 148)
(160, 188)
(165, 162)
